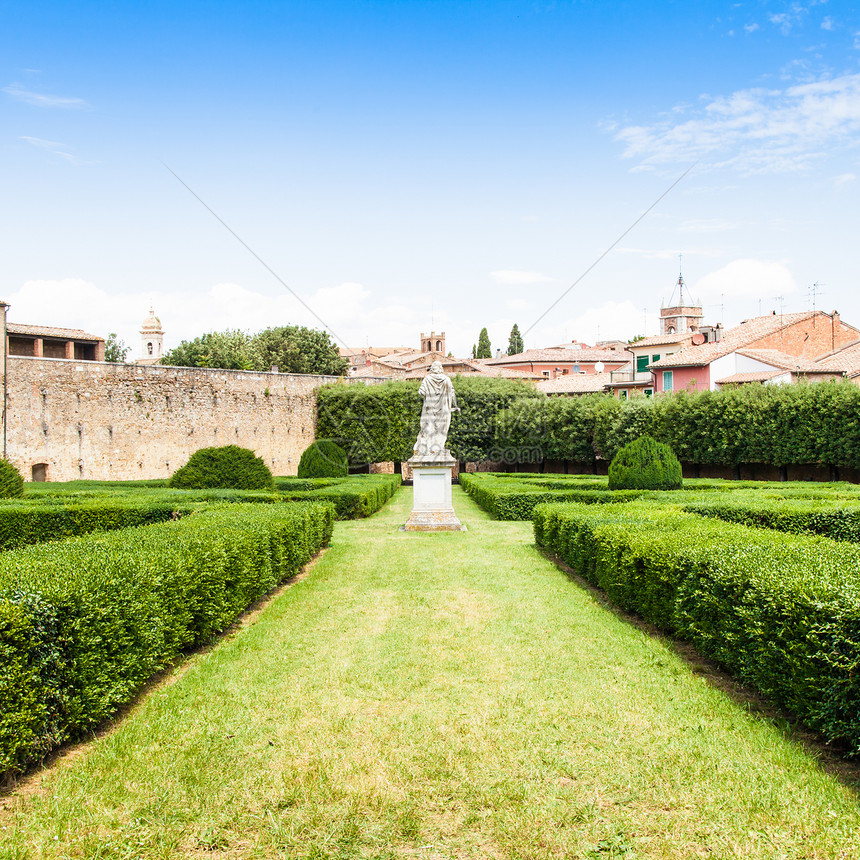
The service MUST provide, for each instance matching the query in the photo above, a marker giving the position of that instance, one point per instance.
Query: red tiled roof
(748, 332)
(48, 331)
(567, 356)
(664, 339)
(779, 359)
(752, 376)
(846, 359)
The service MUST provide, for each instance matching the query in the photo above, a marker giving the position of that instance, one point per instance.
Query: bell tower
(151, 340)
(683, 315)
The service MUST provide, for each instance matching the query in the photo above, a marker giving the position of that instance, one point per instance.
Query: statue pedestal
(432, 509)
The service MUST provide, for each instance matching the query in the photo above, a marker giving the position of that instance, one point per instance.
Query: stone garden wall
(72, 419)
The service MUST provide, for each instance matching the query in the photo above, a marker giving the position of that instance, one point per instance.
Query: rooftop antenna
(814, 292)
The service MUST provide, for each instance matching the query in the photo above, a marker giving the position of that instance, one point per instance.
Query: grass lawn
(436, 696)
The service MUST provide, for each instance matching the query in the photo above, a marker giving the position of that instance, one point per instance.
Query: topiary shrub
(227, 467)
(645, 464)
(11, 482)
(324, 459)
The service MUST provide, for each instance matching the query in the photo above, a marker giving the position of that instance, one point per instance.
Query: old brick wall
(117, 422)
(810, 338)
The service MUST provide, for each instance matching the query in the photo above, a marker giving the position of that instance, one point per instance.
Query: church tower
(151, 340)
(683, 315)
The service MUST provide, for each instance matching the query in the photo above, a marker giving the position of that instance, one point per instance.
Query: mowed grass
(436, 696)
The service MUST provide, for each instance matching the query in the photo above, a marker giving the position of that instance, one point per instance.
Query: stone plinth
(432, 508)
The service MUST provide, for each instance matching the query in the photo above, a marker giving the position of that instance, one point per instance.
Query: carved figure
(439, 402)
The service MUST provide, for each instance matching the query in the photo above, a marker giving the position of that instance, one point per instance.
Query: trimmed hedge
(11, 482)
(778, 425)
(84, 622)
(374, 423)
(645, 464)
(515, 497)
(780, 612)
(355, 497)
(36, 522)
(225, 467)
(323, 459)
(835, 520)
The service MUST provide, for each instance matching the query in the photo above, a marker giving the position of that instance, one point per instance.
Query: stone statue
(439, 402)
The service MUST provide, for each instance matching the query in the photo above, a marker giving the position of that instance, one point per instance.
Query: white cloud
(53, 147)
(751, 279)
(751, 28)
(516, 276)
(347, 308)
(611, 320)
(844, 179)
(519, 305)
(756, 130)
(42, 99)
(827, 23)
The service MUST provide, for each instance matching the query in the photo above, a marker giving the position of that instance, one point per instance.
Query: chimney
(837, 325)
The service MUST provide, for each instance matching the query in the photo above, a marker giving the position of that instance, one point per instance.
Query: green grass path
(436, 696)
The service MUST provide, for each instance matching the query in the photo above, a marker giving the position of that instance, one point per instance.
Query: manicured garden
(762, 578)
(441, 696)
(104, 585)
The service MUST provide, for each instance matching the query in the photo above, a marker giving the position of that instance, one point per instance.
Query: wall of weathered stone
(105, 421)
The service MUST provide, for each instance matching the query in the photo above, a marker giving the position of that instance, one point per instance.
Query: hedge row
(23, 523)
(771, 424)
(782, 613)
(374, 423)
(510, 499)
(838, 521)
(355, 497)
(84, 622)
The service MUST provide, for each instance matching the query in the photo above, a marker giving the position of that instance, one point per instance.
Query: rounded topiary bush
(227, 467)
(645, 464)
(324, 459)
(11, 482)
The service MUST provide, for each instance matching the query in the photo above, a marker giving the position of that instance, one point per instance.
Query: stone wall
(100, 421)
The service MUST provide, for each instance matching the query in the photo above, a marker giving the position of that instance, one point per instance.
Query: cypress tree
(484, 348)
(515, 341)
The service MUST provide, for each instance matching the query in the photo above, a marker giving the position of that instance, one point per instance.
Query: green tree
(115, 349)
(484, 348)
(292, 348)
(297, 349)
(515, 341)
(230, 350)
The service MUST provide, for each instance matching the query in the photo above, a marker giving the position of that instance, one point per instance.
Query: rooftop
(49, 331)
(748, 332)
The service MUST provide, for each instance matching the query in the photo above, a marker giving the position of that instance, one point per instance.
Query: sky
(382, 169)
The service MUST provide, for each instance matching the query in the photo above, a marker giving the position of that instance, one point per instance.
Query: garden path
(437, 696)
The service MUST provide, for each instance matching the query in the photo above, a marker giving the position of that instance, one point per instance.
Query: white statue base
(432, 507)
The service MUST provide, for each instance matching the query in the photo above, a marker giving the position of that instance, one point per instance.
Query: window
(648, 392)
(654, 358)
(642, 363)
(667, 380)
(545, 373)
(622, 394)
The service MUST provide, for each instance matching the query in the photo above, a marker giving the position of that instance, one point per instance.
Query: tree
(297, 349)
(115, 349)
(484, 348)
(515, 341)
(292, 348)
(474, 351)
(230, 350)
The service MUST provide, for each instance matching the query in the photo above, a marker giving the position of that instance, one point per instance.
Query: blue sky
(408, 165)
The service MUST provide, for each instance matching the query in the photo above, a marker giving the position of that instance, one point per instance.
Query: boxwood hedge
(84, 622)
